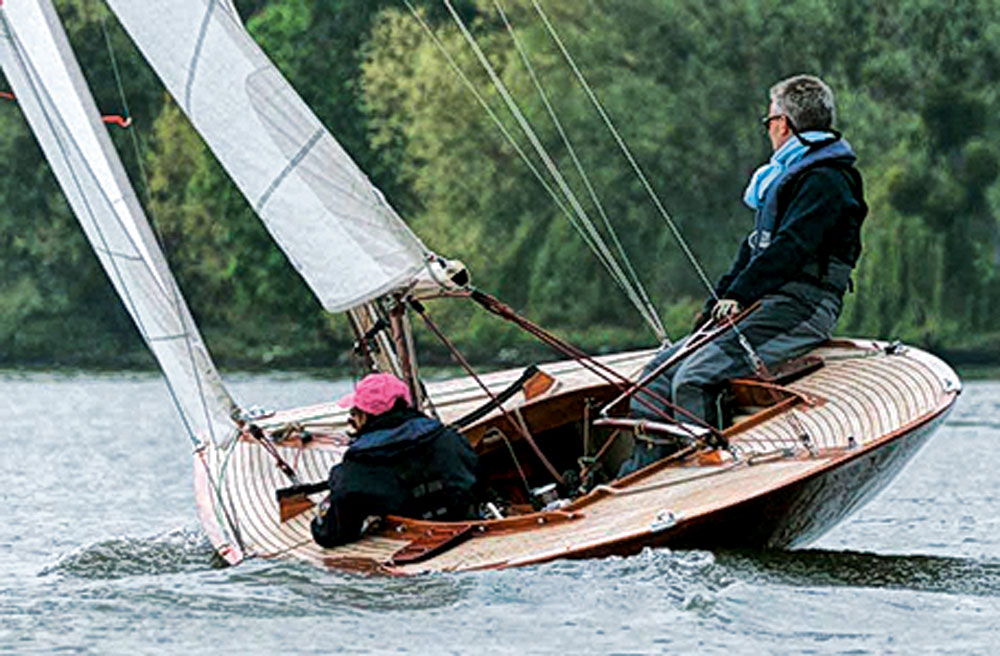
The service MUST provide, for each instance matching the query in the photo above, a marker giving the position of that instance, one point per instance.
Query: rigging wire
(625, 150)
(229, 519)
(489, 110)
(125, 107)
(753, 357)
(496, 120)
(600, 250)
(550, 165)
(660, 331)
(520, 427)
(755, 360)
(65, 144)
(602, 256)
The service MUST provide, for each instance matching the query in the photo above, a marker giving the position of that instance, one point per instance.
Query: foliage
(684, 81)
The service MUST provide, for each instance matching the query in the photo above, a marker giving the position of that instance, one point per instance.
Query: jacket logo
(759, 239)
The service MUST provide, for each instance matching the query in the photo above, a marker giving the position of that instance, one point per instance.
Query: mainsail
(39, 64)
(336, 228)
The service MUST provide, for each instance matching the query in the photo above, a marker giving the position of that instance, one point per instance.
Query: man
(809, 206)
(401, 463)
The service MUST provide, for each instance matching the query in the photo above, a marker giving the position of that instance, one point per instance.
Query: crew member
(808, 208)
(401, 463)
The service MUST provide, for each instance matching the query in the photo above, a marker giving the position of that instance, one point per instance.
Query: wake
(177, 551)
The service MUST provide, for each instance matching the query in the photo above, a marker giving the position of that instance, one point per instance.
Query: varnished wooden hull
(795, 513)
(866, 412)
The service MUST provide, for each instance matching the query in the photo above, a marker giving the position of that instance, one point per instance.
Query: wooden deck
(865, 412)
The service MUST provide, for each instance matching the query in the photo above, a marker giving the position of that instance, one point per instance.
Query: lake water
(101, 552)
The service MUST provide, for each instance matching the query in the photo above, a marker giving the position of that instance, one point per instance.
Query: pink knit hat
(376, 393)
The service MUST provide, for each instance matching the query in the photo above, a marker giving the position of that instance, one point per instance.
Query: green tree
(685, 82)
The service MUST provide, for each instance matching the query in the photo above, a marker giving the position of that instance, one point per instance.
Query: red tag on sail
(113, 119)
(122, 122)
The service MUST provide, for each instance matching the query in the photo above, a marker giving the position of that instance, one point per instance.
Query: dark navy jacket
(403, 463)
(808, 228)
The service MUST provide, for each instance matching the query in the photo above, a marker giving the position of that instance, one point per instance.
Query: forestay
(40, 66)
(335, 227)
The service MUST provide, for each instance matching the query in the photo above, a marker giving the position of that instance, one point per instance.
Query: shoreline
(970, 365)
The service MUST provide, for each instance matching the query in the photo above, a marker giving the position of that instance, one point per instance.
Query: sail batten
(333, 224)
(40, 66)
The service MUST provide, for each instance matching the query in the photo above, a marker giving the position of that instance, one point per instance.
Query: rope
(419, 309)
(599, 369)
(517, 463)
(254, 431)
(651, 315)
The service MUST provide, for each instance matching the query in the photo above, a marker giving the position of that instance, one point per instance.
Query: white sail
(335, 227)
(51, 91)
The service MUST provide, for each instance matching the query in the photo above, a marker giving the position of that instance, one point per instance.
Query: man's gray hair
(807, 101)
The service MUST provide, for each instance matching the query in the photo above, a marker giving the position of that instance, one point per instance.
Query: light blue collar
(790, 152)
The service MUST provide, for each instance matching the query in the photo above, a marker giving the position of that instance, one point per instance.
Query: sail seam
(119, 255)
(169, 338)
(193, 67)
(292, 164)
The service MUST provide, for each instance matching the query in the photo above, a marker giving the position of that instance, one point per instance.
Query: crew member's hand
(724, 308)
(700, 320)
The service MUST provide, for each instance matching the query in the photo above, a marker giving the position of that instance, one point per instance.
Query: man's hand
(725, 308)
(700, 320)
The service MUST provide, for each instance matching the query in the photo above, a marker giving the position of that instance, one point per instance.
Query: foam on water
(181, 550)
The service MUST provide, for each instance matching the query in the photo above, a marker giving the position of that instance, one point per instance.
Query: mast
(372, 341)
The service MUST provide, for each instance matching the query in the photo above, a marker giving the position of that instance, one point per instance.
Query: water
(100, 552)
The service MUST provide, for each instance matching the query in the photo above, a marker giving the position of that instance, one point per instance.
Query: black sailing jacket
(814, 212)
(402, 463)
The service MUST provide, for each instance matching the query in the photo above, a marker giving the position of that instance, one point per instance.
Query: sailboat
(803, 446)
